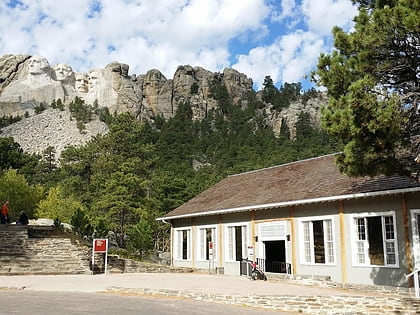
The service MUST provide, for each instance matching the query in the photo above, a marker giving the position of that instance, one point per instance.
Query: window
(183, 241)
(206, 235)
(375, 240)
(318, 241)
(237, 242)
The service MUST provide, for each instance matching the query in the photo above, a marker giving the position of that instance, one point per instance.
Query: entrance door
(275, 256)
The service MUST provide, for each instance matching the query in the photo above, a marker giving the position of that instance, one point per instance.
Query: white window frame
(360, 248)
(178, 250)
(201, 246)
(230, 249)
(416, 238)
(306, 240)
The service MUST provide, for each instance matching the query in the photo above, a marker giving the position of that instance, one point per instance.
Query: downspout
(220, 247)
(293, 239)
(254, 258)
(407, 247)
(193, 236)
(343, 243)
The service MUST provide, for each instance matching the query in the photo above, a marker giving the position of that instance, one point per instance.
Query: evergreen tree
(373, 88)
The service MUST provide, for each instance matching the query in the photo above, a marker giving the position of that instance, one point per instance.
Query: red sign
(211, 245)
(100, 245)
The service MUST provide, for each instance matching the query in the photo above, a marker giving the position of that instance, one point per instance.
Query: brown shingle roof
(298, 181)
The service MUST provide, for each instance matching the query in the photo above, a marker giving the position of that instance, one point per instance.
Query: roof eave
(293, 203)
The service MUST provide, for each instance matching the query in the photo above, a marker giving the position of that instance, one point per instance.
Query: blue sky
(280, 38)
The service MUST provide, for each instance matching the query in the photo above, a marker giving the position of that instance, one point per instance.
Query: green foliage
(21, 195)
(104, 115)
(56, 206)
(372, 82)
(60, 105)
(81, 224)
(140, 238)
(8, 120)
(219, 92)
(57, 225)
(114, 171)
(119, 182)
(309, 94)
(269, 92)
(39, 108)
(12, 155)
(81, 112)
(194, 88)
(280, 98)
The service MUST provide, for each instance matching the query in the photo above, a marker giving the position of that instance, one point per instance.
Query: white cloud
(164, 34)
(322, 15)
(288, 59)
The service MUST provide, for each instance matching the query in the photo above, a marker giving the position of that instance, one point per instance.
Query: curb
(315, 305)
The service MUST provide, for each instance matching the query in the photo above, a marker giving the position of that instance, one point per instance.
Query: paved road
(152, 293)
(74, 303)
(191, 282)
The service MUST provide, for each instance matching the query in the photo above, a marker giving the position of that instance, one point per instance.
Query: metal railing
(415, 275)
(245, 268)
(274, 266)
(266, 266)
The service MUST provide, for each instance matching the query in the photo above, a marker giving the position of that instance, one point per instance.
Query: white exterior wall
(343, 269)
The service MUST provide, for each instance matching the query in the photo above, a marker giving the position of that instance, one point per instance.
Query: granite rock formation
(28, 81)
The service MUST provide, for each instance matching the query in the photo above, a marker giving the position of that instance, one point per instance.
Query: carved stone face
(38, 65)
(81, 82)
(93, 80)
(63, 72)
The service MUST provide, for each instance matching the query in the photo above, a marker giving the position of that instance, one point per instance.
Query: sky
(279, 38)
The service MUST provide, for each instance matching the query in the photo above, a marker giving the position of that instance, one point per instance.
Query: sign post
(100, 245)
(211, 258)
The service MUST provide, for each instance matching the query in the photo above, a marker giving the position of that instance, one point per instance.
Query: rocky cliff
(28, 81)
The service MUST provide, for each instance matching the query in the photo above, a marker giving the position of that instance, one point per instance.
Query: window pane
(361, 229)
(230, 241)
(361, 252)
(390, 253)
(306, 242)
(389, 228)
(319, 246)
(418, 224)
(329, 241)
(202, 243)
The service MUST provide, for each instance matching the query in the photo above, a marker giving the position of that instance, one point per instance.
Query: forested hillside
(122, 180)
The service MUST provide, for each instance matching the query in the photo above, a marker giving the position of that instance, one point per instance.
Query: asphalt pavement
(186, 282)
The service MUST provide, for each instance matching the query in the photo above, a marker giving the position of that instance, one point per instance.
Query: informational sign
(250, 252)
(100, 245)
(211, 258)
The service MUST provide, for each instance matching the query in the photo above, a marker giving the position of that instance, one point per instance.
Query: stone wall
(122, 265)
(27, 250)
(40, 252)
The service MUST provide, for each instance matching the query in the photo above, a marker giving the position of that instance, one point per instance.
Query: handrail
(415, 274)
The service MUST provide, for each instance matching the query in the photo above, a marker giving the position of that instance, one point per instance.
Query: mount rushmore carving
(26, 81)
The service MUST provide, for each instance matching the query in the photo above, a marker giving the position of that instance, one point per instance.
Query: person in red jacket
(4, 213)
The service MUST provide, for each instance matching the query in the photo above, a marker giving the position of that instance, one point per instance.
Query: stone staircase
(39, 250)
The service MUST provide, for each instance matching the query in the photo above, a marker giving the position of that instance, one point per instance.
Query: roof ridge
(285, 164)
